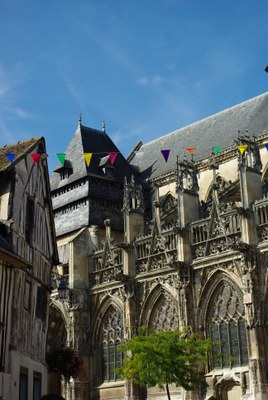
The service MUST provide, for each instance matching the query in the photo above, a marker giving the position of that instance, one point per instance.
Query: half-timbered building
(27, 252)
(167, 244)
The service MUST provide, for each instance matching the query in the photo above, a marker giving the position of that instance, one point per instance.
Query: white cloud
(142, 81)
(152, 81)
(117, 137)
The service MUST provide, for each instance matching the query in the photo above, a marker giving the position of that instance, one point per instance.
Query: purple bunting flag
(165, 154)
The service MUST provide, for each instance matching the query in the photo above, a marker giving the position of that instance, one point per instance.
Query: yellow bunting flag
(242, 148)
(87, 157)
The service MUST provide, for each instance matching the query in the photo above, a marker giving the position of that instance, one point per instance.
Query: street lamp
(63, 290)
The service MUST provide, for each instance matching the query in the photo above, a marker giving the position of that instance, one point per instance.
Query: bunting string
(113, 154)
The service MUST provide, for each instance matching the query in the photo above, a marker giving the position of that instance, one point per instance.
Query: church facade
(168, 244)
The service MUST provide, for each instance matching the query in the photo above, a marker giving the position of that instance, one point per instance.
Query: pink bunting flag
(35, 158)
(165, 154)
(112, 156)
(11, 156)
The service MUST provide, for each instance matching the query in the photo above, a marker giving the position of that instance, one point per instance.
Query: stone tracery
(112, 335)
(226, 324)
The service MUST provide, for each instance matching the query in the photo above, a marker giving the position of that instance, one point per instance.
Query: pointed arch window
(226, 326)
(112, 335)
(222, 184)
(164, 315)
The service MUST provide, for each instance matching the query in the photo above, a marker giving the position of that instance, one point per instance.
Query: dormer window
(65, 170)
(107, 167)
(65, 173)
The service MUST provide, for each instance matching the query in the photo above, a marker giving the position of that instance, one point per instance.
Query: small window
(37, 385)
(41, 303)
(29, 221)
(23, 395)
(27, 295)
(65, 173)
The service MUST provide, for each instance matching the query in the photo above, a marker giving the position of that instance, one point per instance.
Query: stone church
(143, 241)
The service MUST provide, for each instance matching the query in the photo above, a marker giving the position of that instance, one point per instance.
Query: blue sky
(146, 67)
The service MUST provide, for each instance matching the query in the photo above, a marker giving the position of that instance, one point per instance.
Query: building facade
(167, 245)
(27, 252)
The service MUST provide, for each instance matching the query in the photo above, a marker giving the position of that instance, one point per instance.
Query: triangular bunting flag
(112, 156)
(191, 149)
(35, 158)
(10, 156)
(266, 146)
(87, 157)
(165, 154)
(242, 148)
(61, 157)
(217, 149)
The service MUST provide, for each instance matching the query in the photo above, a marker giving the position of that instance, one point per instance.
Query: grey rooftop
(220, 129)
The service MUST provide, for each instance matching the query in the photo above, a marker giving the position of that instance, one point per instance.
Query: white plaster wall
(17, 361)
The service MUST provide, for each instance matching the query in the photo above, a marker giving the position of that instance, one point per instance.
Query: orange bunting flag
(242, 148)
(35, 158)
(61, 157)
(87, 157)
(191, 149)
(112, 156)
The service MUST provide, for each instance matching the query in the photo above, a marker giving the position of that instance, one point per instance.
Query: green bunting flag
(61, 157)
(216, 149)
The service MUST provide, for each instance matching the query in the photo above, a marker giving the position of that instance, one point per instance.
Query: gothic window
(164, 315)
(222, 184)
(226, 327)
(112, 357)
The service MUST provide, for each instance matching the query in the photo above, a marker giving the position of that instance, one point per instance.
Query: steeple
(79, 119)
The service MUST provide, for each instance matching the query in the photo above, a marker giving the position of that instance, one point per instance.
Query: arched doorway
(56, 339)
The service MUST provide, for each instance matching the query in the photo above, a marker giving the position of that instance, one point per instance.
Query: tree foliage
(162, 358)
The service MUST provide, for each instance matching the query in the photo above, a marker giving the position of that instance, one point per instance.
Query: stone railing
(155, 252)
(213, 237)
(106, 265)
(261, 214)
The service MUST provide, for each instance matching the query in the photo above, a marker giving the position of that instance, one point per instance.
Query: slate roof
(89, 140)
(20, 149)
(220, 129)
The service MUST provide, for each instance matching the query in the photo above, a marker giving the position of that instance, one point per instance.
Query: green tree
(163, 358)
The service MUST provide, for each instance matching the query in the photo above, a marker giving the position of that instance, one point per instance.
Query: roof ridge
(222, 112)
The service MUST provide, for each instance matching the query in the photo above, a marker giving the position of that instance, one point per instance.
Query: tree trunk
(168, 393)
